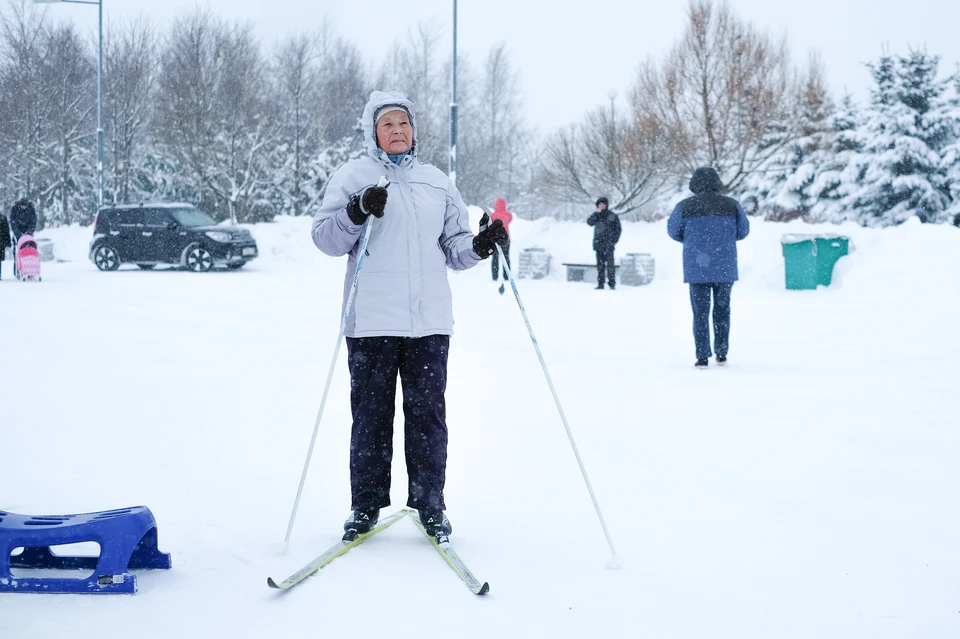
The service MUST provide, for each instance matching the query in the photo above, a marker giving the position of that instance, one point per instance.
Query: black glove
(490, 235)
(370, 201)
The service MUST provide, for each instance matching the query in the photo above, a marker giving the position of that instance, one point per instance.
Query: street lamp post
(453, 103)
(99, 4)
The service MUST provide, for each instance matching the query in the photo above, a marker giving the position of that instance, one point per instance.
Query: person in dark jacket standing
(23, 218)
(5, 242)
(709, 225)
(606, 234)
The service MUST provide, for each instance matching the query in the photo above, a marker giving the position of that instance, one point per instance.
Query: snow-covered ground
(807, 490)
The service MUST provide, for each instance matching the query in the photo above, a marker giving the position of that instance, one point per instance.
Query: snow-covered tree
(217, 117)
(23, 103)
(785, 187)
(343, 89)
(71, 113)
(320, 94)
(415, 67)
(620, 158)
(842, 146)
(722, 97)
(950, 155)
(899, 170)
(130, 60)
(493, 133)
(296, 78)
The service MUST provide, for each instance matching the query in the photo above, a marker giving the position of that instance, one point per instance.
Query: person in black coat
(23, 218)
(606, 234)
(5, 242)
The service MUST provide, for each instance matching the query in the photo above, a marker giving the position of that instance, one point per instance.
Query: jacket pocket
(382, 303)
(437, 302)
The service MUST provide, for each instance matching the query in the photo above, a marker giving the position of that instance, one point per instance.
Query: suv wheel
(197, 259)
(106, 258)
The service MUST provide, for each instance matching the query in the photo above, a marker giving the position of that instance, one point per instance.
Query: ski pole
(333, 364)
(615, 560)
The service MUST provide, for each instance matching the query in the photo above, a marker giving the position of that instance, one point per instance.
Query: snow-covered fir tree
(950, 156)
(785, 187)
(898, 172)
(842, 147)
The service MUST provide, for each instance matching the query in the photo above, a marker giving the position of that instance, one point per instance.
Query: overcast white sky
(570, 54)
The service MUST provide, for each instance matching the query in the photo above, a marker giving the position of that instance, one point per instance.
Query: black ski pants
(495, 262)
(606, 266)
(700, 301)
(422, 364)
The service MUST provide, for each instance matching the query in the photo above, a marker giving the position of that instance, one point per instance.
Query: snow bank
(879, 257)
(805, 490)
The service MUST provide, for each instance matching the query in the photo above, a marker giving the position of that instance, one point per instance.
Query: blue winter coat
(709, 225)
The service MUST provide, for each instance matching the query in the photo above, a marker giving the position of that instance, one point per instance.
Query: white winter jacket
(402, 290)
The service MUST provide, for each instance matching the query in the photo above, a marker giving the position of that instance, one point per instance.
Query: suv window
(105, 220)
(130, 217)
(192, 217)
(156, 217)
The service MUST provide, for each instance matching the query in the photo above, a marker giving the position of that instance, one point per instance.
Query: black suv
(180, 234)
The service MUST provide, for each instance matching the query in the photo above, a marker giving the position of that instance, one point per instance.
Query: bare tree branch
(723, 96)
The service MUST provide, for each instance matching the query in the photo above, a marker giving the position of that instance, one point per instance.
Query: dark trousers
(495, 262)
(700, 300)
(374, 363)
(606, 266)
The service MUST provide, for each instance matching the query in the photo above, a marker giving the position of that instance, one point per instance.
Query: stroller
(26, 263)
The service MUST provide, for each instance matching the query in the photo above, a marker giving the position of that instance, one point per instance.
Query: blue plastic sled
(127, 538)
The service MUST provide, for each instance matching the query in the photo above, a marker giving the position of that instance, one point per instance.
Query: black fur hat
(23, 203)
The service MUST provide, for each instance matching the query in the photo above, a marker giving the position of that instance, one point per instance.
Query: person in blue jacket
(709, 225)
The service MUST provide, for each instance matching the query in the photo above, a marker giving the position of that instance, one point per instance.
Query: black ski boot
(721, 360)
(360, 522)
(435, 522)
(702, 364)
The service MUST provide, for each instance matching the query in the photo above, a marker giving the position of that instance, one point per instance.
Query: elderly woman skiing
(402, 318)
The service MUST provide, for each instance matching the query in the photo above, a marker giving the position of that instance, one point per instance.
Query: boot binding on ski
(435, 523)
(360, 522)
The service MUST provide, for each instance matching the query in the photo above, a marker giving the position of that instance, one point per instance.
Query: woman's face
(394, 132)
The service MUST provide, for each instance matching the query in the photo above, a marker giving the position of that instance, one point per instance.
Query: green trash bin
(809, 259)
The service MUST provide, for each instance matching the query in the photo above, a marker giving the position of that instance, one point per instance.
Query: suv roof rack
(152, 205)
